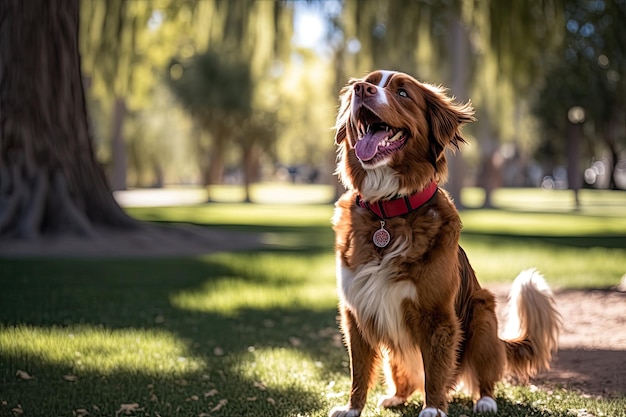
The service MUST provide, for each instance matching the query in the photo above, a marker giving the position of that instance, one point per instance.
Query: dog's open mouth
(377, 139)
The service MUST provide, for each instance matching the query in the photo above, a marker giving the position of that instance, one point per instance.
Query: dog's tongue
(367, 146)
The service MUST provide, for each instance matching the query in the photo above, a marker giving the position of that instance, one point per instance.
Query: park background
(212, 92)
(165, 241)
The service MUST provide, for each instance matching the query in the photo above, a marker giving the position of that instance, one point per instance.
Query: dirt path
(592, 345)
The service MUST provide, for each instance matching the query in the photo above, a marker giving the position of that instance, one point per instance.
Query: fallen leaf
(295, 342)
(17, 410)
(128, 409)
(23, 375)
(271, 400)
(70, 378)
(81, 412)
(193, 398)
(219, 406)
(260, 386)
(251, 399)
(210, 393)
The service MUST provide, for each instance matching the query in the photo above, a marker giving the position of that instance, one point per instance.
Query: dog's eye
(403, 93)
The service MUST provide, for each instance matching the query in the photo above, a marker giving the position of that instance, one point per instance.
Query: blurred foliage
(588, 70)
(213, 90)
(521, 63)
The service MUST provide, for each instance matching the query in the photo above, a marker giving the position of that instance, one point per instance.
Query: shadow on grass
(136, 295)
(607, 241)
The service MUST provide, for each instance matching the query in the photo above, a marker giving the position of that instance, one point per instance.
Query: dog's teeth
(395, 137)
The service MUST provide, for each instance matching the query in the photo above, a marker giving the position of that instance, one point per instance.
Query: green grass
(254, 333)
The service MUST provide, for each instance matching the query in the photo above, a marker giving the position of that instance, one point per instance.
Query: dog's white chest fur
(373, 296)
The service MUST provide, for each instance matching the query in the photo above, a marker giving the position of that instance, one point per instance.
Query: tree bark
(50, 181)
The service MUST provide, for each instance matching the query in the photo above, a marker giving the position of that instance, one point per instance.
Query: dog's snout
(363, 89)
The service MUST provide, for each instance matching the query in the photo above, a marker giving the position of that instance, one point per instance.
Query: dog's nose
(363, 89)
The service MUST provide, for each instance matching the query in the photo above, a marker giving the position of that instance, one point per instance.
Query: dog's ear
(445, 118)
(343, 115)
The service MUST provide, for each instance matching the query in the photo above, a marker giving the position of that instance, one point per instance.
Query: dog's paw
(344, 411)
(391, 401)
(432, 412)
(486, 405)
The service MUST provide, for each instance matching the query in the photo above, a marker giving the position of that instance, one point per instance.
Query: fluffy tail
(533, 325)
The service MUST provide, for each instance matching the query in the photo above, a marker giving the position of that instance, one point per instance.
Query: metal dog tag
(381, 237)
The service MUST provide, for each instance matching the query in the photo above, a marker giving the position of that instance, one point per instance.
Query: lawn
(254, 333)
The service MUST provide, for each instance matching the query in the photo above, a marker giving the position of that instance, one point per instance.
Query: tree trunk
(574, 136)
(249, 159)
(50, 182)
(118, 162)
(459, 63)
(490, 174)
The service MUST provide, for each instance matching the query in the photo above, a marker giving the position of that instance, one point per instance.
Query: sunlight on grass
(540, 224)
(264, 193)
(231, 295)
(275, 193)
(89, 348)
(240, 214)
(563, 267)
(593, 202)
(282, 368)
(264, 281)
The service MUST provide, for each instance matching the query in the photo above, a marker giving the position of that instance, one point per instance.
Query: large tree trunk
(50, 182)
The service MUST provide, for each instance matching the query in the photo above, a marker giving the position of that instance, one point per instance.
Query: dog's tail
(533, 324)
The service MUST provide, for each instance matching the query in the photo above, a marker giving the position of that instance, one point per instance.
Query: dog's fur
(416, 305)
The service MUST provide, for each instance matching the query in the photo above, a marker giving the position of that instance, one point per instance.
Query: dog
(408, 297)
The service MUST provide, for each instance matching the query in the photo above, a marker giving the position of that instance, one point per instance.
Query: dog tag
(381, 237)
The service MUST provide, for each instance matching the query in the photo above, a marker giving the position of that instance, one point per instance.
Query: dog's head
(392, 132)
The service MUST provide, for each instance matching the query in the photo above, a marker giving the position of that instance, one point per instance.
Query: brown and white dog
(408, 295)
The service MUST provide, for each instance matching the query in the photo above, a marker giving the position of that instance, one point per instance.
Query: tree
(218, 94)
(232, 36)
(112, 32)
(589, 73)
(50, 181)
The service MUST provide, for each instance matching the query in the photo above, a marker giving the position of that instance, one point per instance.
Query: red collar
(399, 206)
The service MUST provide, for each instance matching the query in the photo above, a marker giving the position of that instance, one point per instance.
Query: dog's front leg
(438, 339)
(364, 362)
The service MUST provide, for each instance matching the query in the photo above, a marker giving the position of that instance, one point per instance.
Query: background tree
(257, 33)
(50, 182)
(510, 43)
(218, 94)
(589, 72)
(112, 37)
